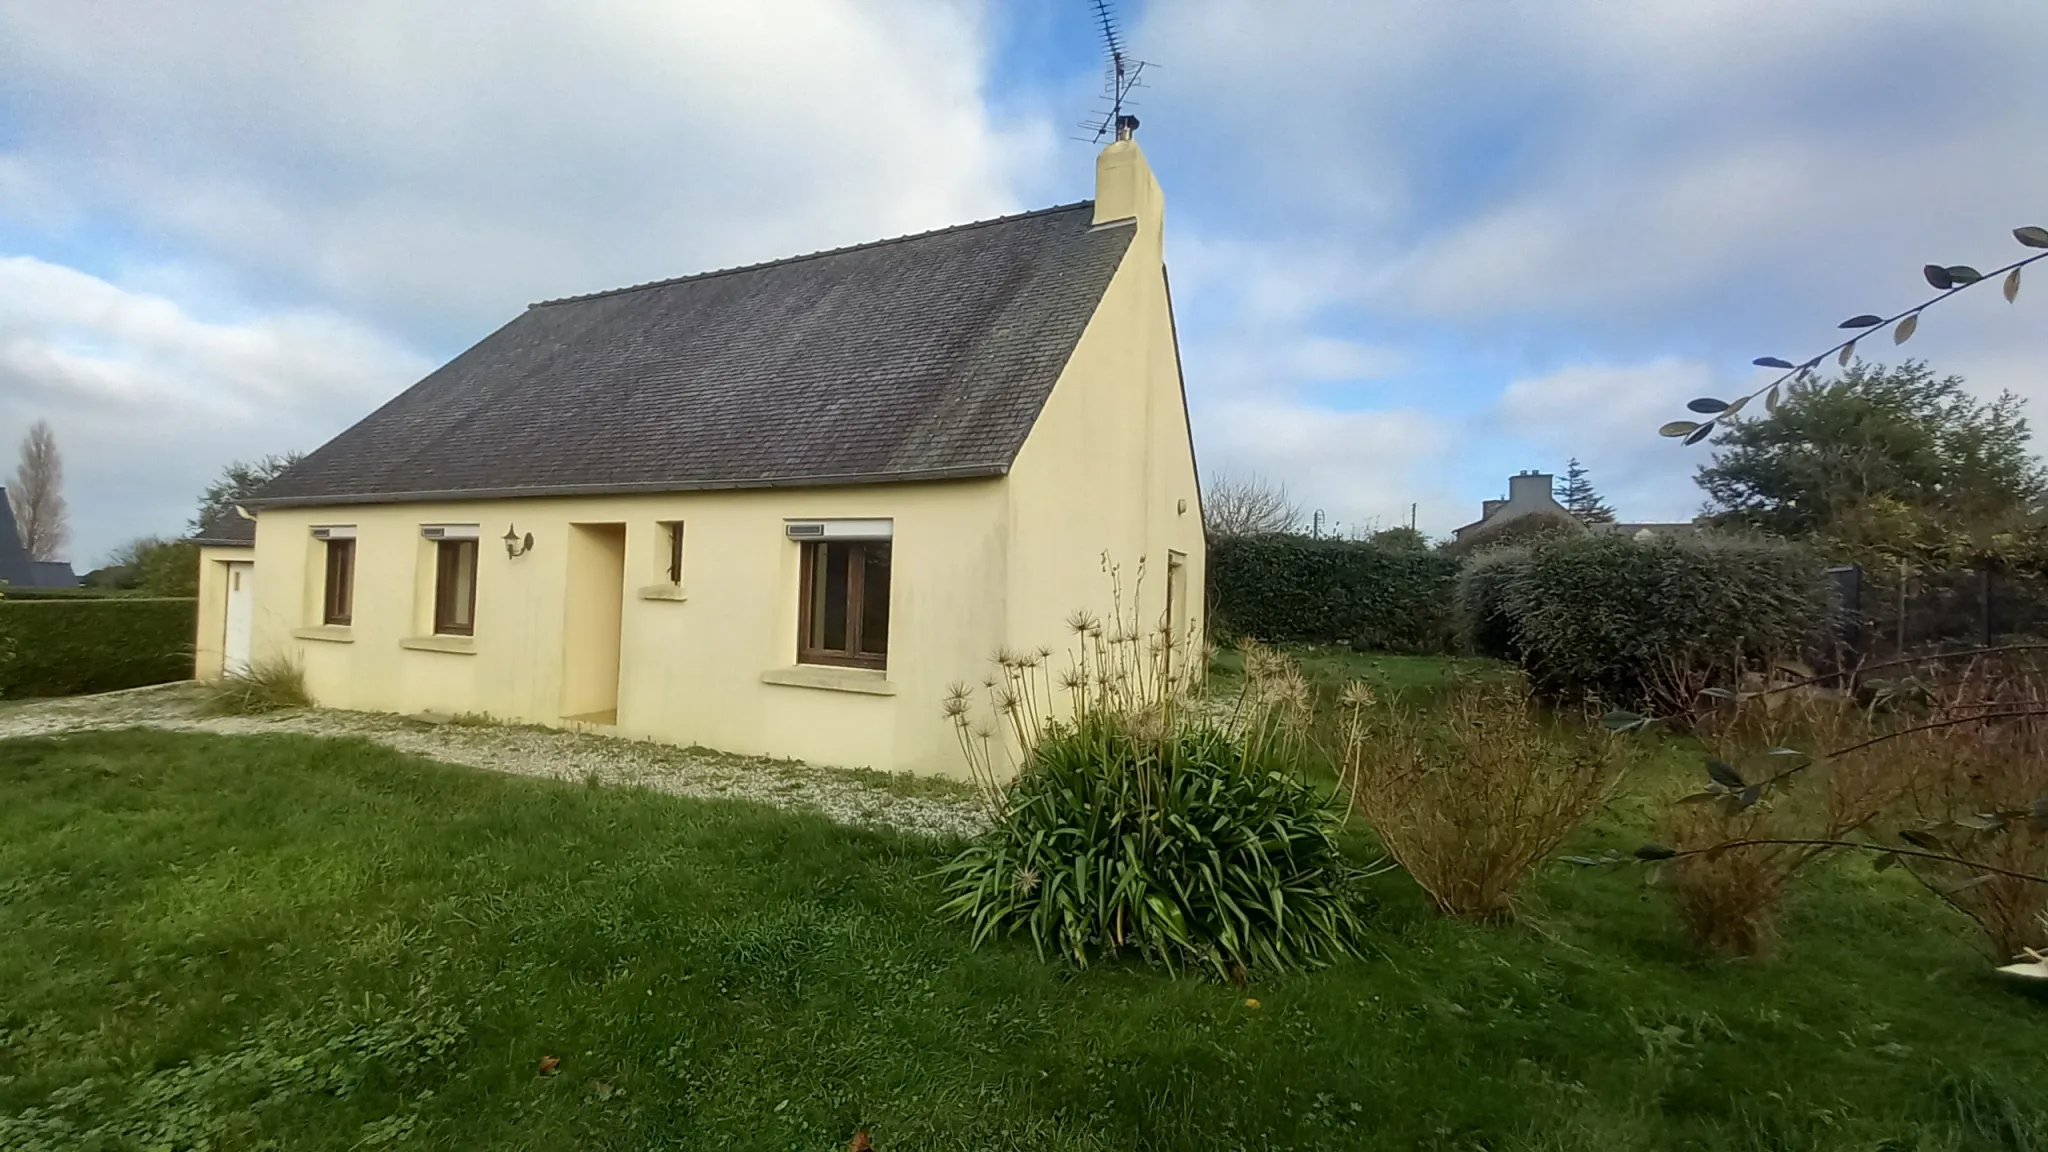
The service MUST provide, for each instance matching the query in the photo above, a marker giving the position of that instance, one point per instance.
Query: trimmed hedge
(1301, 589)
(1605, 617)
(79, 593)
(66, 647)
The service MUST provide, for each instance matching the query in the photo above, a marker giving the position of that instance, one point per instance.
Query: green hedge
(80, 593)
(66, 647)
(1301, 589)
(1609, 617)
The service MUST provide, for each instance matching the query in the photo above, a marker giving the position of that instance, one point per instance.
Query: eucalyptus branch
(1657, 852)
(1947, 280)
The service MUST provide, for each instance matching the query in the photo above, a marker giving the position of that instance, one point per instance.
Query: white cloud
(454, 161)
(149, 401)
(1360, 468)
(1621, 204)
(1606, 416)
(262, 210)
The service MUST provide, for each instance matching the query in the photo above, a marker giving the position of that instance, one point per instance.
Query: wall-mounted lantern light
(515, 545)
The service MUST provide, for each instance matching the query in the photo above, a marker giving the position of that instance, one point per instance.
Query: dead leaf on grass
(548, 1064)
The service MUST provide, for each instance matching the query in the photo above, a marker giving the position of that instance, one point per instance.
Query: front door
(241, 601)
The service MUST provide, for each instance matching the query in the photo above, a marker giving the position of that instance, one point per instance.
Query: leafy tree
(1878, 447)
(151, 565)
(1400, 539)
(1252, 506)
(238, 482)
(37, 495)
(1577, 495)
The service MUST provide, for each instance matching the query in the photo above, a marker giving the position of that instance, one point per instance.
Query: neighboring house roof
(226, 531)
(15, 566)
(1653, 527)
(925, 357)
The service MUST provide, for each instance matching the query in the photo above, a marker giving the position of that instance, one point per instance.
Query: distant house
(16, 569)
(1532, 496)
(775, 509)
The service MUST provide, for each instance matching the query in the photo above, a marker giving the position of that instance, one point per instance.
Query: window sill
(332, 633)
(457, 645)
(866, 681)
(664, 592)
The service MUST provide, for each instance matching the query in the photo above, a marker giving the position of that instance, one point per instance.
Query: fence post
(1984, 604)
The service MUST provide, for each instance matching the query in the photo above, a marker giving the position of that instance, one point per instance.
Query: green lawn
(285, 942)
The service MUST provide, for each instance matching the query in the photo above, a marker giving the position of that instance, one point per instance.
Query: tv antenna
(1124, 76)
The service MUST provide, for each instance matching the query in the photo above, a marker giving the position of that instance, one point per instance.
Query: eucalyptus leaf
(1963, 274)
(1938, 276)
(1771, 362)
(1862, 320)
(1724, 774)
(2012, 286)
(1655, 852)
(1848, 350)
(1906, 328)
(1701, 433)
(1771, 399)
(2031, 236)
(1708, 405)
(1678, 428)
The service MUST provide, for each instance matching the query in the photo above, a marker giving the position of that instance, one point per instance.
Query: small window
(455, 587)
(338, 604)
(673, 540)
(843, 611)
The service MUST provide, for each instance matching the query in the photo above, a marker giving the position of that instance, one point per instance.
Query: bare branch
(1251, 506)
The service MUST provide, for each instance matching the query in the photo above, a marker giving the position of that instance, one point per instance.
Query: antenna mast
(1124, 73)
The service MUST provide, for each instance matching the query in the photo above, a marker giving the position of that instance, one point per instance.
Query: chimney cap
(1126, 126)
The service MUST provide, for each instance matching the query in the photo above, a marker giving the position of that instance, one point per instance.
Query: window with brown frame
(675, 550)
(455, 587)
(338, 605)
(843, 605)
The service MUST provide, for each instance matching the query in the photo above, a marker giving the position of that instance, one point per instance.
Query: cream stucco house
(775, 509)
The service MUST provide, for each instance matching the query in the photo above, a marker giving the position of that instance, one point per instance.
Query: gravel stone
(924, 806)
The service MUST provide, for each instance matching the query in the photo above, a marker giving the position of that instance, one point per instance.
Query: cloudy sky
(1416, 244)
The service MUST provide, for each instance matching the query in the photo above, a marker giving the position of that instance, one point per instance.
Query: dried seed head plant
(1979, 793)
(1740, 843)
(1145, 675)
(1469, 798)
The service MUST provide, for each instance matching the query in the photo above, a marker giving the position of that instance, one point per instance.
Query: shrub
(1137, 822)
(1469, 797)
(1301, 589)
(1482, 611)
(65, 647)
(267, 686)
(1746, 837)
(1964, 776)
(1644, 623)
(1189, 848)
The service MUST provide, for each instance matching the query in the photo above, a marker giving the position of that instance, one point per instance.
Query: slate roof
(924, 357)
(226, 531)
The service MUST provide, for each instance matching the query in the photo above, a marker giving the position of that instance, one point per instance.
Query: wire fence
(1890, 614)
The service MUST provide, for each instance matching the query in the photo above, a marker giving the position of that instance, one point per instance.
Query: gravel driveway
(931, 807)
